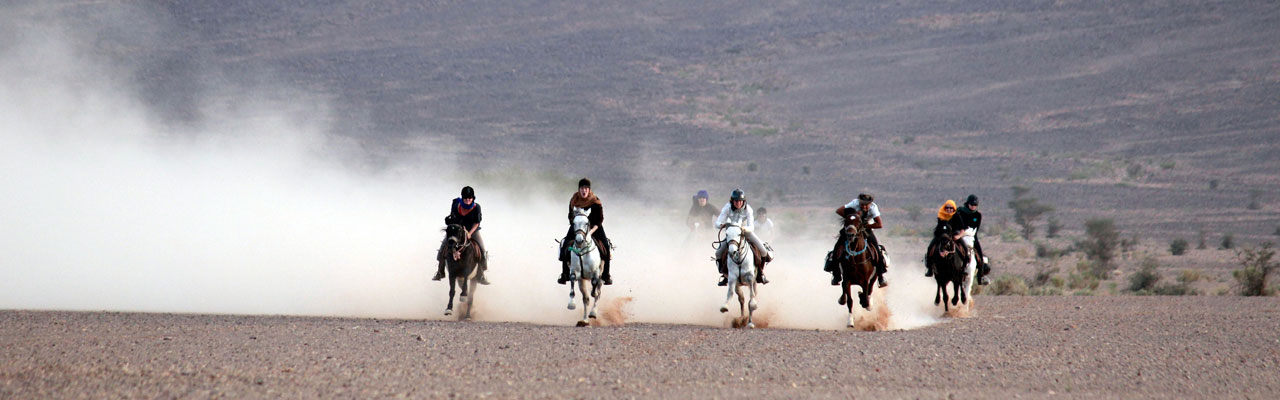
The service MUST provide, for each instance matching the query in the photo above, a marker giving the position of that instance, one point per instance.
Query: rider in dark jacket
(466, 212)
(584, 198)
(972, 219)
(701, 215)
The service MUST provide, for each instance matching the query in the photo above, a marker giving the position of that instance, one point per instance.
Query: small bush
(1145, 279)
(1100, 245)
(1084, 277)
(1167, 164)
(1277, 232)
(1134, 171)
(752, 167)
(1008, 285)
(1045, 274)
(1257, 268)
(1055, 226)
(1180, 289)
(1228, 242)
(1254, 195)
(804, 170)
(1213, 184)
(1178, 246)
(1201, 245)
(1189, 276)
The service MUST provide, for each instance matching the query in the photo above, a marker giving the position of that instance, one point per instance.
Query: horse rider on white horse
(466, 212)
(866, 205)
(585, 199)
(738, 212)
(972, 220)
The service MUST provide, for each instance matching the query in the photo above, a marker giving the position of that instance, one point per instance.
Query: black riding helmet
(972, 200)
(737, 194)
(584, 183)
(468, 192)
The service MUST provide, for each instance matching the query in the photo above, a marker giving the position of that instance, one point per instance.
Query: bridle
(740, 255)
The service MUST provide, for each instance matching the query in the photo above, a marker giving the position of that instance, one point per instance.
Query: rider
(466, 212)
(864, 204)
(738, 212)
(972, 221)
(701, 213)
(765, 225)
(948, 226)
(584, 198)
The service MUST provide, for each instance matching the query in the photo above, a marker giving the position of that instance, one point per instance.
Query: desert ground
(1013, 347)
(241, 199)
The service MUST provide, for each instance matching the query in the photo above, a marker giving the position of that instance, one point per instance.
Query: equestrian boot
(483, 266)
(606, 278)
(760, 276)
(881, 269)
(984, 269)
(833, 267)
(724, 273)
(564, 272)
(928, 269)
(439, 267)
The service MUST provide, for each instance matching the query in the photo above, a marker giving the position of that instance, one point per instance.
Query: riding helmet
(702, 194)
(737, 194)
(468, 192)
(584, 183)
(865, 198)
(972, 200)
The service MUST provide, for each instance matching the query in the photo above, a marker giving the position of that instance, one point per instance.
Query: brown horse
(461, 262)
(856, 258)
(948, 260)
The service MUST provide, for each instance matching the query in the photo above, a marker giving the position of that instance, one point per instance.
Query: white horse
(584, 266)
(739, 263)
(970, 266)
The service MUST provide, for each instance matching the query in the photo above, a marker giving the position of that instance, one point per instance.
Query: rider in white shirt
(739, 213)
(765, 228)
(865, 204)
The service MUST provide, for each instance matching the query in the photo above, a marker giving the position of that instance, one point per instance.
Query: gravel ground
(1022, 347)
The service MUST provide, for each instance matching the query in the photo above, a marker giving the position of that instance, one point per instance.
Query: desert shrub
(1134, 171)
(1008, 285)
(913, 212)
(1178, 246)
(1044, 251)
(1044, 274)
(1213, 184)
(804, 170)
(1026, 210)
(1083, 292)
(1228, 241)
(1145, 280)
(752, 167)
(1084, 277)
(1202, 239)
(1189, 276)
(1180, 289)
(1128, 244)
(1168, 164)
(1277, 232)
(1254, 195)
(1100, 244)
(1045, 291)
(1054, 227)
(909, 139)
(1257, 267)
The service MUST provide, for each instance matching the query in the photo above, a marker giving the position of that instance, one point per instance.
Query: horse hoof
(841, 301)
(448, 312)
(751, 325)
(724, 309)
(593, 315)
(583, 323)
(572, 306)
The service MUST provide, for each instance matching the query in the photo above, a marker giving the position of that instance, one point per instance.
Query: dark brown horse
(460, 262)
(948, 260)
(856, 258)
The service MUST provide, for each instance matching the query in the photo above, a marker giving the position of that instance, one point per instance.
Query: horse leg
(751, 306)
(586, 302)
(595, 296)
(957, 293)
(732, 278)
(471, 298)
(938, 296)
(864, 298)
(572, 288)
(449, 309)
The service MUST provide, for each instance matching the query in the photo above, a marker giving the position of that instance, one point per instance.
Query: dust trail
(256, 212)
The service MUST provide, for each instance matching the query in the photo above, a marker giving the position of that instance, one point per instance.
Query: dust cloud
(105, 207)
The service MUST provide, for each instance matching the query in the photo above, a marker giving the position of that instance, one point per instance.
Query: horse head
(735, 238)
(456, 235)
(581, 224)
(852, 222)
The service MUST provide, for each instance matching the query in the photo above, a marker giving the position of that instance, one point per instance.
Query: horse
(970, 267)
(948, 261)
(461, 264)
(741, 272)
(856, 263)
(585, 265)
